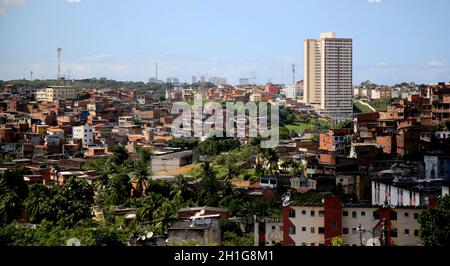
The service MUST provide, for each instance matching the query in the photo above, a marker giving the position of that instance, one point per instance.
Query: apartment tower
(328, 75)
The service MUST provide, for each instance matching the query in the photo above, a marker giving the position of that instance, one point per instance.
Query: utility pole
(293, 74)
(58, 76)
(31, 75)
(360, 235)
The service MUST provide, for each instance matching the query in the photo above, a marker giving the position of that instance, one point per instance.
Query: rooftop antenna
(58, 76)
(31, 75)
(293, 74)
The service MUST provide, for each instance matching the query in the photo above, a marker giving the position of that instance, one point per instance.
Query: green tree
(38, 204)
(13, 190)
(337, 241)
(164, 216)
(72, 202)
(119, 154)
(150, 204)
(181, 190)
(232, 239)
(118, 189)
(141, 177)
(435, 224)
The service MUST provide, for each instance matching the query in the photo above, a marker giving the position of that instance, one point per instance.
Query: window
(291, 213)
(345, 231)
(321, 213)
(416, 232)
(291, 230)
(304, 229)
(394, 233)
(303, 212)
(406, 231)
(406, 214)
(345, 213)
(393, 216)
(313, 230)
(321, 230)
(313, 213)
(363, 213)
(304, 244)
(354, 230)
(273, 227)
(333, 224)
(354, 214)
(313, 244)
(416, 215)
(376, 216)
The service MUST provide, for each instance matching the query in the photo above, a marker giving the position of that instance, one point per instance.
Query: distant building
(171, 161)
(244, 81)
(218, 81)
(291, 92)
(84, 133)
(328, 75)
(172, 80)
(440, 102)
(53, 93)
(316, 224)
(202, 227)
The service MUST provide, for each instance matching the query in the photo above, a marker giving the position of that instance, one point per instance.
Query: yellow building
(53, 93)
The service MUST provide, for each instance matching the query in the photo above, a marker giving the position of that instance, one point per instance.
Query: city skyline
(194, 38)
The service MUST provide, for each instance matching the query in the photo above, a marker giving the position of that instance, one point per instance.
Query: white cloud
(73, 1)
(382, 63)
(436, 63)
(375, 1)
(5, 4)
(95, 57)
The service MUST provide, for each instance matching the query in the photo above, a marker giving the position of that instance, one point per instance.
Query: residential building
(53, 93)
(170, 161)
(316, 224)
(84, 133)
(328, 75)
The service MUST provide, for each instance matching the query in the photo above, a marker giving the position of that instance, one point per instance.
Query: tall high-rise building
(328, 75)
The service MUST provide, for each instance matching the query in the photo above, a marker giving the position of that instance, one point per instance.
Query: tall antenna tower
(58, 76)
(293, 74)
(31, 75)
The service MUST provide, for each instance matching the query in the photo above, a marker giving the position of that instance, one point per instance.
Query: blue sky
(393, 40)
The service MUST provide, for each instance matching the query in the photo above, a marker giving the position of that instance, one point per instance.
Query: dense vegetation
(40, 215)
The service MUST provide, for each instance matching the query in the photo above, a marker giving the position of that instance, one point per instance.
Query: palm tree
(149, 205)
(13, 191)
(164, 216)
(271, 159)
(141, 171)
(180, 189)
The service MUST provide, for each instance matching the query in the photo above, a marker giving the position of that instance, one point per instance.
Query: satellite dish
(149, 235)
(73, 242)
(373, 242)
(286, 199)
(138, 238)
(202, 212)
(143, 238)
